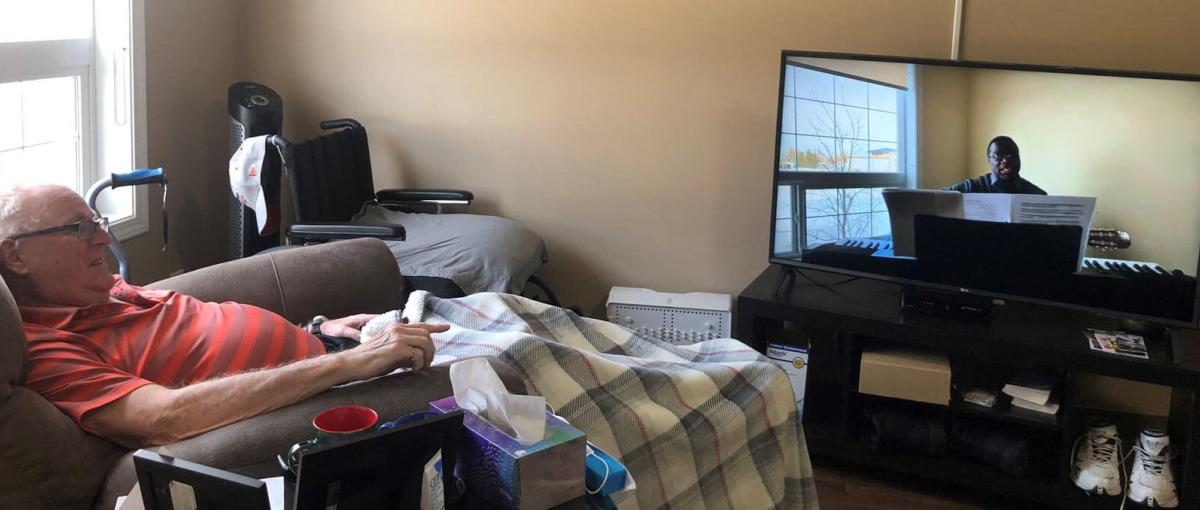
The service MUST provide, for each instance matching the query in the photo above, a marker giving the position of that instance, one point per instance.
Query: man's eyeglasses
(83, 229)
(1004, 157)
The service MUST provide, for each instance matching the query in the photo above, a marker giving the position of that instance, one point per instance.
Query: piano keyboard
(866, 244)
(1103, 266)
(1090, 264)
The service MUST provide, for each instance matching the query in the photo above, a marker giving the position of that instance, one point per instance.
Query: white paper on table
(131, 501)
(275, 492)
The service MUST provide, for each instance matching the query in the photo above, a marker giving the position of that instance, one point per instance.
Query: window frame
(798, 182)
(106, 80)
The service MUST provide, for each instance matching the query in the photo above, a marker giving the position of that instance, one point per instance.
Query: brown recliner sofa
(47, 462)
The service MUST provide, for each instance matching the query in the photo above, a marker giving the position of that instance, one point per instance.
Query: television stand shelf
(838, 316)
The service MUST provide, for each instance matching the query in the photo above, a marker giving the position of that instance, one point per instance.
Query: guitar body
(1109, 239)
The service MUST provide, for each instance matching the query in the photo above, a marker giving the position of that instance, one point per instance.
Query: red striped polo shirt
(83, 358)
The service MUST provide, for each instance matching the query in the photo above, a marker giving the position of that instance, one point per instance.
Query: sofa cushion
(46, 461)
(12, 343)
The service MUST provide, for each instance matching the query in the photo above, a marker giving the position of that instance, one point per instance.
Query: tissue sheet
(479, 390)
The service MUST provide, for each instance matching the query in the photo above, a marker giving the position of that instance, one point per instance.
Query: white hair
(22, 208)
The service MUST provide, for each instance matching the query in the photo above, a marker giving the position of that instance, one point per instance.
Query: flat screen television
(851, 126)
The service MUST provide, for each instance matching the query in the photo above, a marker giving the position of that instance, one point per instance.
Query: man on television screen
(1005, 159)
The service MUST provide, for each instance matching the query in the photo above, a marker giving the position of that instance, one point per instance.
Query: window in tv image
(1070, 186)
(843, 138)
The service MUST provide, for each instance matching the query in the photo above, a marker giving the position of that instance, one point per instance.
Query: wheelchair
(447, 254)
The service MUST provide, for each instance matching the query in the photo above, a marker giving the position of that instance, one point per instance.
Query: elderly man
(142, 366)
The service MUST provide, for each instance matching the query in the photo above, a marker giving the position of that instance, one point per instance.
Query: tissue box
(508, 474)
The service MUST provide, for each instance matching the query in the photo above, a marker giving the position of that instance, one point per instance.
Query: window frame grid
(800, 181)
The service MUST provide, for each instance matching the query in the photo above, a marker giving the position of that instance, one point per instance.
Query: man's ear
(12, 259)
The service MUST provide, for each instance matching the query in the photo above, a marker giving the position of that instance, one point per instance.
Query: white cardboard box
(793, 359)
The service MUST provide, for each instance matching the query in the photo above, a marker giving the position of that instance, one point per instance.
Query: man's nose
(101, 237)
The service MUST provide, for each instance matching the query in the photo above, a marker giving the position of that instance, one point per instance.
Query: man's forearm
(157, 415)
(205, 406)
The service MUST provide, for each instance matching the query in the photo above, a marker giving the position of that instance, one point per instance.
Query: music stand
(380, 470)
(992, 254)
(163, 478)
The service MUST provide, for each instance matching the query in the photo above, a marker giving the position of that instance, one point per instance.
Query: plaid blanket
(708, 425)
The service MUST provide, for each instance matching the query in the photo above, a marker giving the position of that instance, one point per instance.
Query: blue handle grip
(139, 176)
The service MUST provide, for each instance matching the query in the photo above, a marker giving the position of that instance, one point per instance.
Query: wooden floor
(844, 488)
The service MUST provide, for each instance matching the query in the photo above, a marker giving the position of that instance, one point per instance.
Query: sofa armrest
(335, 279)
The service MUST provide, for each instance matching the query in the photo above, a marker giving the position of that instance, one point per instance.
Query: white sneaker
(1097, 467)
(1151, 482)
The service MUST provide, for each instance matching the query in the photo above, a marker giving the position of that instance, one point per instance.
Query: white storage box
(675, 318)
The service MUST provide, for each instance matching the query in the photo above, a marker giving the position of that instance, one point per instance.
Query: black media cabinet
(838, 321)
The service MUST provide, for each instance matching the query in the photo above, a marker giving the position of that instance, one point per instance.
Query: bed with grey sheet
(479, 253)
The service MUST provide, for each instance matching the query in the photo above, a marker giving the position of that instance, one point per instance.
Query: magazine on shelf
(1117, 342)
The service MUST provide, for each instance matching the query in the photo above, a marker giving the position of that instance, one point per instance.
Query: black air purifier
(254, 110)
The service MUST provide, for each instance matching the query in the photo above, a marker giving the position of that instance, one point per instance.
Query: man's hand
(399, 346)
(347, 327)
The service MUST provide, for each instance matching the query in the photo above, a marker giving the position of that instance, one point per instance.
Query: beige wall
(191, 58)
(636, 137)
(942, 101)
(1134, 144)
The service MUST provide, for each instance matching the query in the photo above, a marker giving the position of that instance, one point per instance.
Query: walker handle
(139, 176)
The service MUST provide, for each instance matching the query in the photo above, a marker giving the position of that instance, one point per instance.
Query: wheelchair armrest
(328, 231)
(428, 196)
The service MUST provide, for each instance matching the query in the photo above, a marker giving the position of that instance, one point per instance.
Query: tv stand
(958, 306)
(838, 322)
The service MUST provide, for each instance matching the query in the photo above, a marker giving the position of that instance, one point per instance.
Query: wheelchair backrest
(331, 176)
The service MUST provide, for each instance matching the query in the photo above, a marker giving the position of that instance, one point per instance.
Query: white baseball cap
(245, 180)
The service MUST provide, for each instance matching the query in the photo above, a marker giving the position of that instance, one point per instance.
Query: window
(70, 96)
(843, 138)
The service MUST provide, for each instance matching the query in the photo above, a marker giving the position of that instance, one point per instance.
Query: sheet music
(1057, 210)
(998, 207)
(1053, 210)
(988, 207)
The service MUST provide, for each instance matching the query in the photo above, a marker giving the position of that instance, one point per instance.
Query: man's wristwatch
(314, 326)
